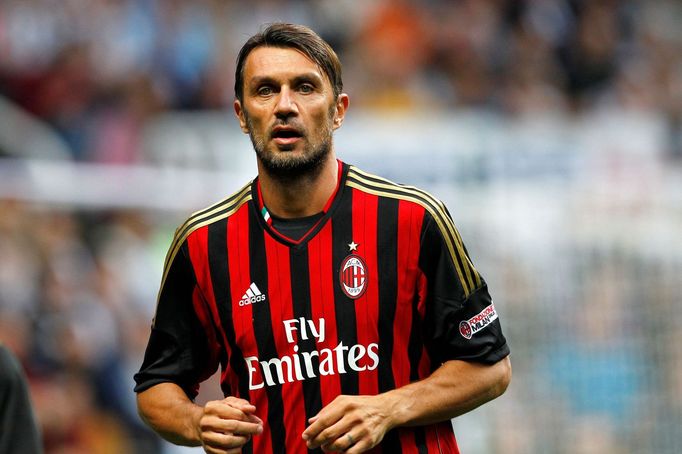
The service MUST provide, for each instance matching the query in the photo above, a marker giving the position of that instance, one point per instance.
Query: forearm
(455, 388)
(167, 409)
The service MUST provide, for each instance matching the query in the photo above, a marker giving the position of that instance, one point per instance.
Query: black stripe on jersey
(342, 234)
(420, 439)
(387, 260)
(468, 275)
(414, 346)
(300, 296)
(220, 278)
(441, 216)
(220, 210)
(262, 327)
(374, 184)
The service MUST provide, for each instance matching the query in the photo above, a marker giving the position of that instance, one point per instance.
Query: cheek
(256, 126)
(323, 121)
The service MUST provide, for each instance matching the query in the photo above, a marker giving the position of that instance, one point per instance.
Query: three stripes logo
(252, 295)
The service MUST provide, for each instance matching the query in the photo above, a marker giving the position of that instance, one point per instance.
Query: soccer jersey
(378, 293)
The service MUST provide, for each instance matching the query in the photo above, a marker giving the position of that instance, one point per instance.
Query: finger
(211, 450)
(239, 403)
(342, 443)
(224, 410)
(230, 426)
(329, 435)
(255, 419)
(360, 446)
(324, 419)
(217, 440)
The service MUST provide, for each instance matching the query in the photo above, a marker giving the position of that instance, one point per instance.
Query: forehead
(278, 62)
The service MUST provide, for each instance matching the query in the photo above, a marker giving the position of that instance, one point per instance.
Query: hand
(350, 424)
(227, 425)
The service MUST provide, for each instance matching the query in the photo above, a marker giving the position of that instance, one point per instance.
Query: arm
(453, 389)
(221, 426)
(181, 353)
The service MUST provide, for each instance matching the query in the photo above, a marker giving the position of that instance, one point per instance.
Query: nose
(286, 105)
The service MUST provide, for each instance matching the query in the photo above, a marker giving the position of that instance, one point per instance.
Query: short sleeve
(178, 350)
(461, 321)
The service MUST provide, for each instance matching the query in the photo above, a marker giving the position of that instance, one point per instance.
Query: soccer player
(343, 309)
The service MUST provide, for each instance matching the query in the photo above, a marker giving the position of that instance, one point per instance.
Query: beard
(287, 166)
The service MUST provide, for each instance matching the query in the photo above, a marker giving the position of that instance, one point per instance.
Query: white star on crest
(353, 246)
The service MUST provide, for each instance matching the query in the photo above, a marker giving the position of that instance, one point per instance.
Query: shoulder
(203, 218)
(11, 374)
(382, 187)
(213, 213)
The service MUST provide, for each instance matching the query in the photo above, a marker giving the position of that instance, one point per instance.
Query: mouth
(286, 135)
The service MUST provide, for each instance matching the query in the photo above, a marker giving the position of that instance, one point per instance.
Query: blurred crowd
(78, 286)
(96, 70)
(77, 294)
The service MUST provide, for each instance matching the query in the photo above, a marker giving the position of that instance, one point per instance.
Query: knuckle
(211, 404)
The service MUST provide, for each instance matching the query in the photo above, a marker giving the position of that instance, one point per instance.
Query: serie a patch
(468, 328)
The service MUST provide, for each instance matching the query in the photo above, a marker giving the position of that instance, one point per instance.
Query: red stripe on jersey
(446, 438)
(281, 308)
(242, 317)
(441, 438)
(407, 442)
(322, 302)
(197, 244)
(214, 348)
(367, 306)
(410, 218)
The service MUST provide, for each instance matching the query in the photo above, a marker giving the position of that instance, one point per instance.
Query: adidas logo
(252, 295)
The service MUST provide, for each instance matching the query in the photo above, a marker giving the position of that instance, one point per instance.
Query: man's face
(288, 110)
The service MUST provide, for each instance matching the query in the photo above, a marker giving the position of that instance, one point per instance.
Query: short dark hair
(298, 37)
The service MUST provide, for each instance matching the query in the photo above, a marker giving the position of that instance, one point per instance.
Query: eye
(265, 90)
(306, 88)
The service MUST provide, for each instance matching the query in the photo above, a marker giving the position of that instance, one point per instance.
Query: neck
(303, 196)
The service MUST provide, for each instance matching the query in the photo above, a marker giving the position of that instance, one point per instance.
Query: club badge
(468, 328)
(353, 274)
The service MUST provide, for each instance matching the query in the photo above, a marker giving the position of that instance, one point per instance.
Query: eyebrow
(269, 80)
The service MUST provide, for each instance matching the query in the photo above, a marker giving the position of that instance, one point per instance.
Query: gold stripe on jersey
(221, 210)
(468, 276)
(203, 214)
(438, 204)
(440, 214)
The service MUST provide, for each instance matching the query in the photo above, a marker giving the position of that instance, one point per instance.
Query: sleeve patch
(467, 328)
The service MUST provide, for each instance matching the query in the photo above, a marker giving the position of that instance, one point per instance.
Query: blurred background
(551, 128)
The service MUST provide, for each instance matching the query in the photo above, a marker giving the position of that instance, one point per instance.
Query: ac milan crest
(465, 329)
(468, 328)
(353, 276)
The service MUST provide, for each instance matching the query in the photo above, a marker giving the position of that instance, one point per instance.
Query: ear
(241, 116)
(342, 103)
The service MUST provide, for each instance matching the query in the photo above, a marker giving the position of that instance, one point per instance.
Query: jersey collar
(265, 218)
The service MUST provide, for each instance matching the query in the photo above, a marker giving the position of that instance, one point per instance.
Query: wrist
(397, 407)
(194, 429)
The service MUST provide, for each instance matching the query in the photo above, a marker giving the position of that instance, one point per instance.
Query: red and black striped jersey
(377, 294)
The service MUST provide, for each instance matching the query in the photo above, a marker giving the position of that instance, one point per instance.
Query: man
(19, 430)
(342, 308)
